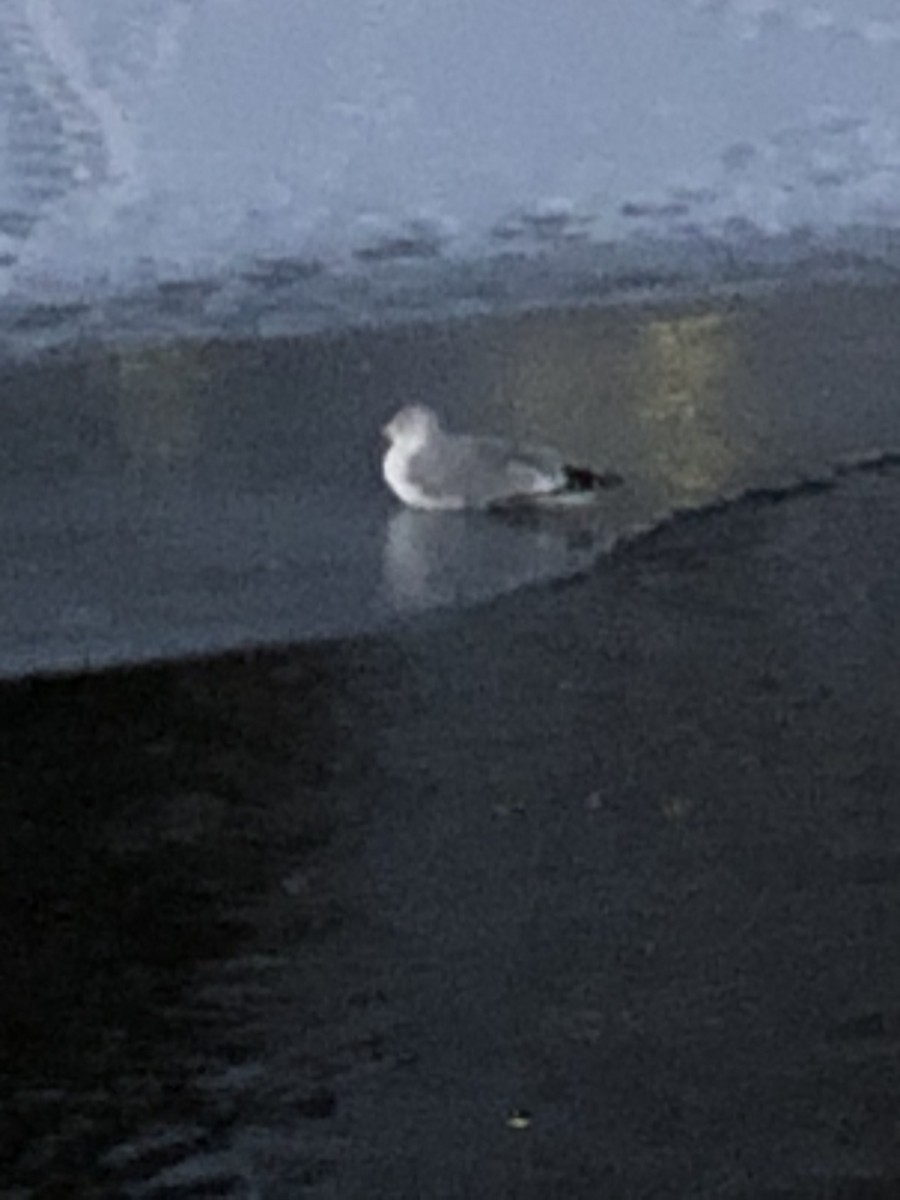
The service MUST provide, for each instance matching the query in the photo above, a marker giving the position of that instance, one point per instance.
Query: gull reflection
(439, 559)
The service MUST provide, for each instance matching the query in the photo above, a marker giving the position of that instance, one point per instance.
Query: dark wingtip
(582, 479)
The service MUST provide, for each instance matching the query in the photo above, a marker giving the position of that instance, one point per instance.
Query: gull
(429, 468)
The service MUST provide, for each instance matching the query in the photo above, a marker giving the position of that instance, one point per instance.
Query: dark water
(155, 502)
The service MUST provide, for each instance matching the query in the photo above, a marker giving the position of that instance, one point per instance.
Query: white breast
(396, 476)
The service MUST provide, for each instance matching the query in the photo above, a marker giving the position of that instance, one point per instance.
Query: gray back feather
(484, 470)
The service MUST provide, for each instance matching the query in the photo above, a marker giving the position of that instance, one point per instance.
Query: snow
(171, 140)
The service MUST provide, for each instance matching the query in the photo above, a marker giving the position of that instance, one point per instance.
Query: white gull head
(411, 427)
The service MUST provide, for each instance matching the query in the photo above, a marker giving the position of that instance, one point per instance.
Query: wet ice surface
(195, 497)
(399, 159)
(159, 503)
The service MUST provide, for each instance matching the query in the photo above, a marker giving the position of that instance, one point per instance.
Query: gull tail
(583, 479)
(573, 486)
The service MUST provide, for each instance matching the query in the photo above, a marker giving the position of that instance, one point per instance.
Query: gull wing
(483, 471)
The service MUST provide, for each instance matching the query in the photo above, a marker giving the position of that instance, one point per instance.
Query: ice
(169, 140)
